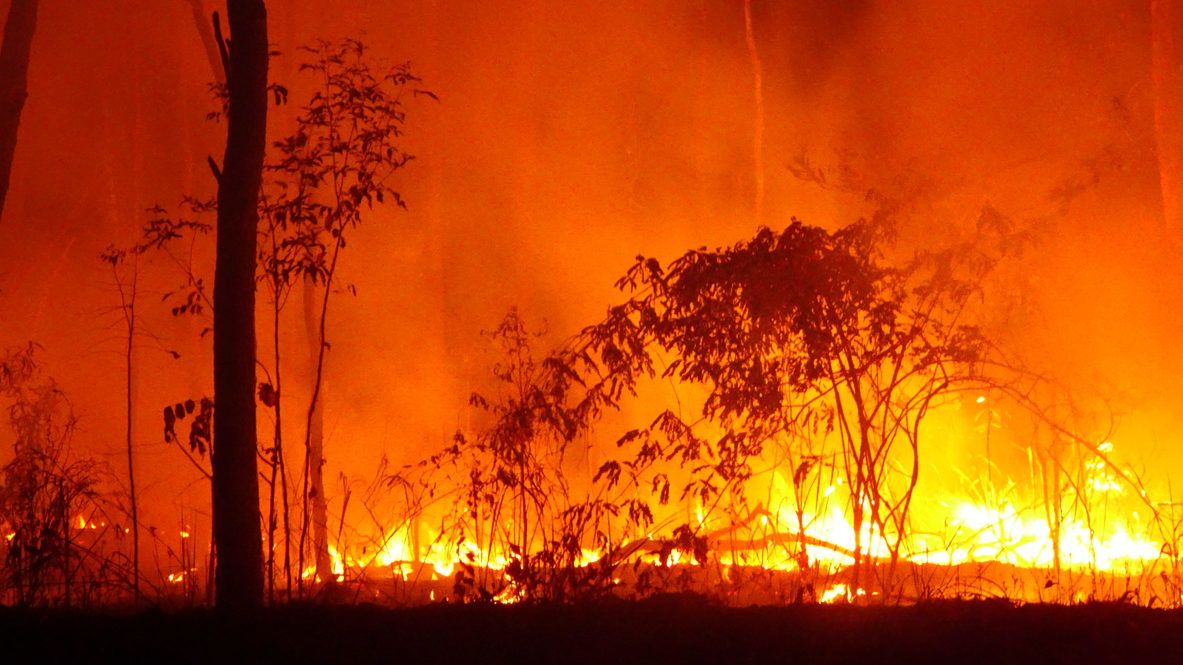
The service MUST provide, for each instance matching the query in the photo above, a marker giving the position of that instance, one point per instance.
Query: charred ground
(674, 628)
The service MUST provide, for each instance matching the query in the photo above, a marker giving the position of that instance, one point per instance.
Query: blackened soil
(673, 629)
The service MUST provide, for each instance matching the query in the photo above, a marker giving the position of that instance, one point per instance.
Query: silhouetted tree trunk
(14, 82)
(127, 301)
(239, 575)
(1167, 66)
(316, 490)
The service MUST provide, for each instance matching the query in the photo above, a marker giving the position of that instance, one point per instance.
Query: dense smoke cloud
(569, 138)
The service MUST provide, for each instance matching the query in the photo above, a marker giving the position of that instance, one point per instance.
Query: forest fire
(666, 309)
(959, 531)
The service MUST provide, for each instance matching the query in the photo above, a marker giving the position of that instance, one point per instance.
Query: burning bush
(805, 342)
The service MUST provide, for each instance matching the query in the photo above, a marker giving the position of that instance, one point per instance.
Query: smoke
(569, 138)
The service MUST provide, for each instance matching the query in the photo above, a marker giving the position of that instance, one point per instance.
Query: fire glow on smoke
(946, 531)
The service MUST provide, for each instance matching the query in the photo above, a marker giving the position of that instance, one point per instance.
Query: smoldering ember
(591, 331)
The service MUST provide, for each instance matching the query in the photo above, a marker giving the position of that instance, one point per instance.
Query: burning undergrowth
(809, 375)
(790, 389)
(908, 408)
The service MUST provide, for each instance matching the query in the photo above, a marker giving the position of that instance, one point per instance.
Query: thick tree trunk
(1167, 66)
(14, 83)
(239, 575)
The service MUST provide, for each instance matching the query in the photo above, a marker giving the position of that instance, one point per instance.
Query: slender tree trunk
(1167, 67)
(314, 328)
(279, 472)
(129, 312)
(277, 444)
(239, 575)
(64, 505)
(14, 83)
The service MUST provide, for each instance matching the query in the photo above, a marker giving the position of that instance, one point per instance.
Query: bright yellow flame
(508, 596)
(992, 525)
(338, 565)
(587, 557)
(443, 568)
(834, 594)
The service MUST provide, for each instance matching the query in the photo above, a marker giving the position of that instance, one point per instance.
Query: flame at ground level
(969, 532)
(1098, 530)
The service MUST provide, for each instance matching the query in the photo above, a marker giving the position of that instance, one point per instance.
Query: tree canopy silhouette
(799, 338)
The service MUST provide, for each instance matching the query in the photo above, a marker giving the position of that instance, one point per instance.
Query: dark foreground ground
(666, 630)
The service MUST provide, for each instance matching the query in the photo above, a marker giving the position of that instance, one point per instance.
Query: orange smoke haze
(570, 137)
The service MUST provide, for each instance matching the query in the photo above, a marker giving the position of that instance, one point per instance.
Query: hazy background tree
(1167, 65)
(208, 42)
